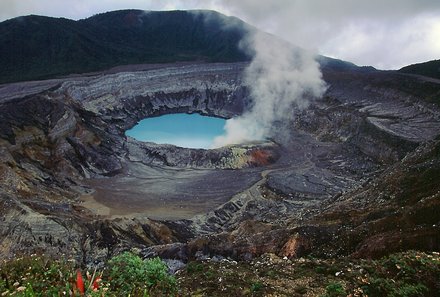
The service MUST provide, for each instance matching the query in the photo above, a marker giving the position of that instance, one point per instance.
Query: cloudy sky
(387, 34)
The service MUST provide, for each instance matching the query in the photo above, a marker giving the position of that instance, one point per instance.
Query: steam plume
(280, 78)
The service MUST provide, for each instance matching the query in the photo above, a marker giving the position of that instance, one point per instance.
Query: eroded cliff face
(72, 182)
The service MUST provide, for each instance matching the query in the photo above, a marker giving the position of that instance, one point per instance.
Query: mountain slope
(36, 47)
(430, 69)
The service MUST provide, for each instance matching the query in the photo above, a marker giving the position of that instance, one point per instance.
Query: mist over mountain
(38, 47)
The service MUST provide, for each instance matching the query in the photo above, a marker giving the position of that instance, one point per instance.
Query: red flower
(79, 282)
(96, 283)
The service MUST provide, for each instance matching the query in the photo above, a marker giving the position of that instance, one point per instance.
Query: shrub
(130, 275)
(335, 290)
(256, 286)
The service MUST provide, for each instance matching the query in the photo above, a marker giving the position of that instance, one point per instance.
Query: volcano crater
(164, 181)
(68, 165)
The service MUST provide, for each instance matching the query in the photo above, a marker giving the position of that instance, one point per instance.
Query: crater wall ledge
(125, 98)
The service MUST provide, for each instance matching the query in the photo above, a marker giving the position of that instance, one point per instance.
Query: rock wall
(55, 135)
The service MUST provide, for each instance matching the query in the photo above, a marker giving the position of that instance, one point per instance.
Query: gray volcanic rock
(232, 157)
(212, 89)
(72, 182)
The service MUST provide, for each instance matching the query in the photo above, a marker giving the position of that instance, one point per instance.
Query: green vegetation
(130, 275)
(36, 276)
(124, 275)
(430, 68)
(335, 289)
(404, 274)
(407, 274)
(36, 47)
(256, 286)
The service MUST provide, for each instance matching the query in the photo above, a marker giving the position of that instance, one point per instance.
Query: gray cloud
(386, 34)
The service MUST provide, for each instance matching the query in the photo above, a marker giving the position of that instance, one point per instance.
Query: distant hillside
(430, 68)
(328, 63)
(37, 47)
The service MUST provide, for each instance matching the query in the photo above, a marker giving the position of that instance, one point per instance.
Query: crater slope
(72, 182)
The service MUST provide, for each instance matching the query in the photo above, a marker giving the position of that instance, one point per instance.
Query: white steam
(280, 78)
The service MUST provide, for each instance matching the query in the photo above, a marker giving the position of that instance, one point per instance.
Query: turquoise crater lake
(184, 130)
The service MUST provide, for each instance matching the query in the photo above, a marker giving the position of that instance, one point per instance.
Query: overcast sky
(387, 34)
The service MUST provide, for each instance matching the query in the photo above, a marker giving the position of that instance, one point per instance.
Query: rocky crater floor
(354, 174)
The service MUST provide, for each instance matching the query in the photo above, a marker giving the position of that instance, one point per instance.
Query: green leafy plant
(130, 275)
(256, 286)
(335, 290)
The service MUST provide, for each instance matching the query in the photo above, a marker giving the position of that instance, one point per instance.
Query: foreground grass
(124, 275)
(403, 274)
